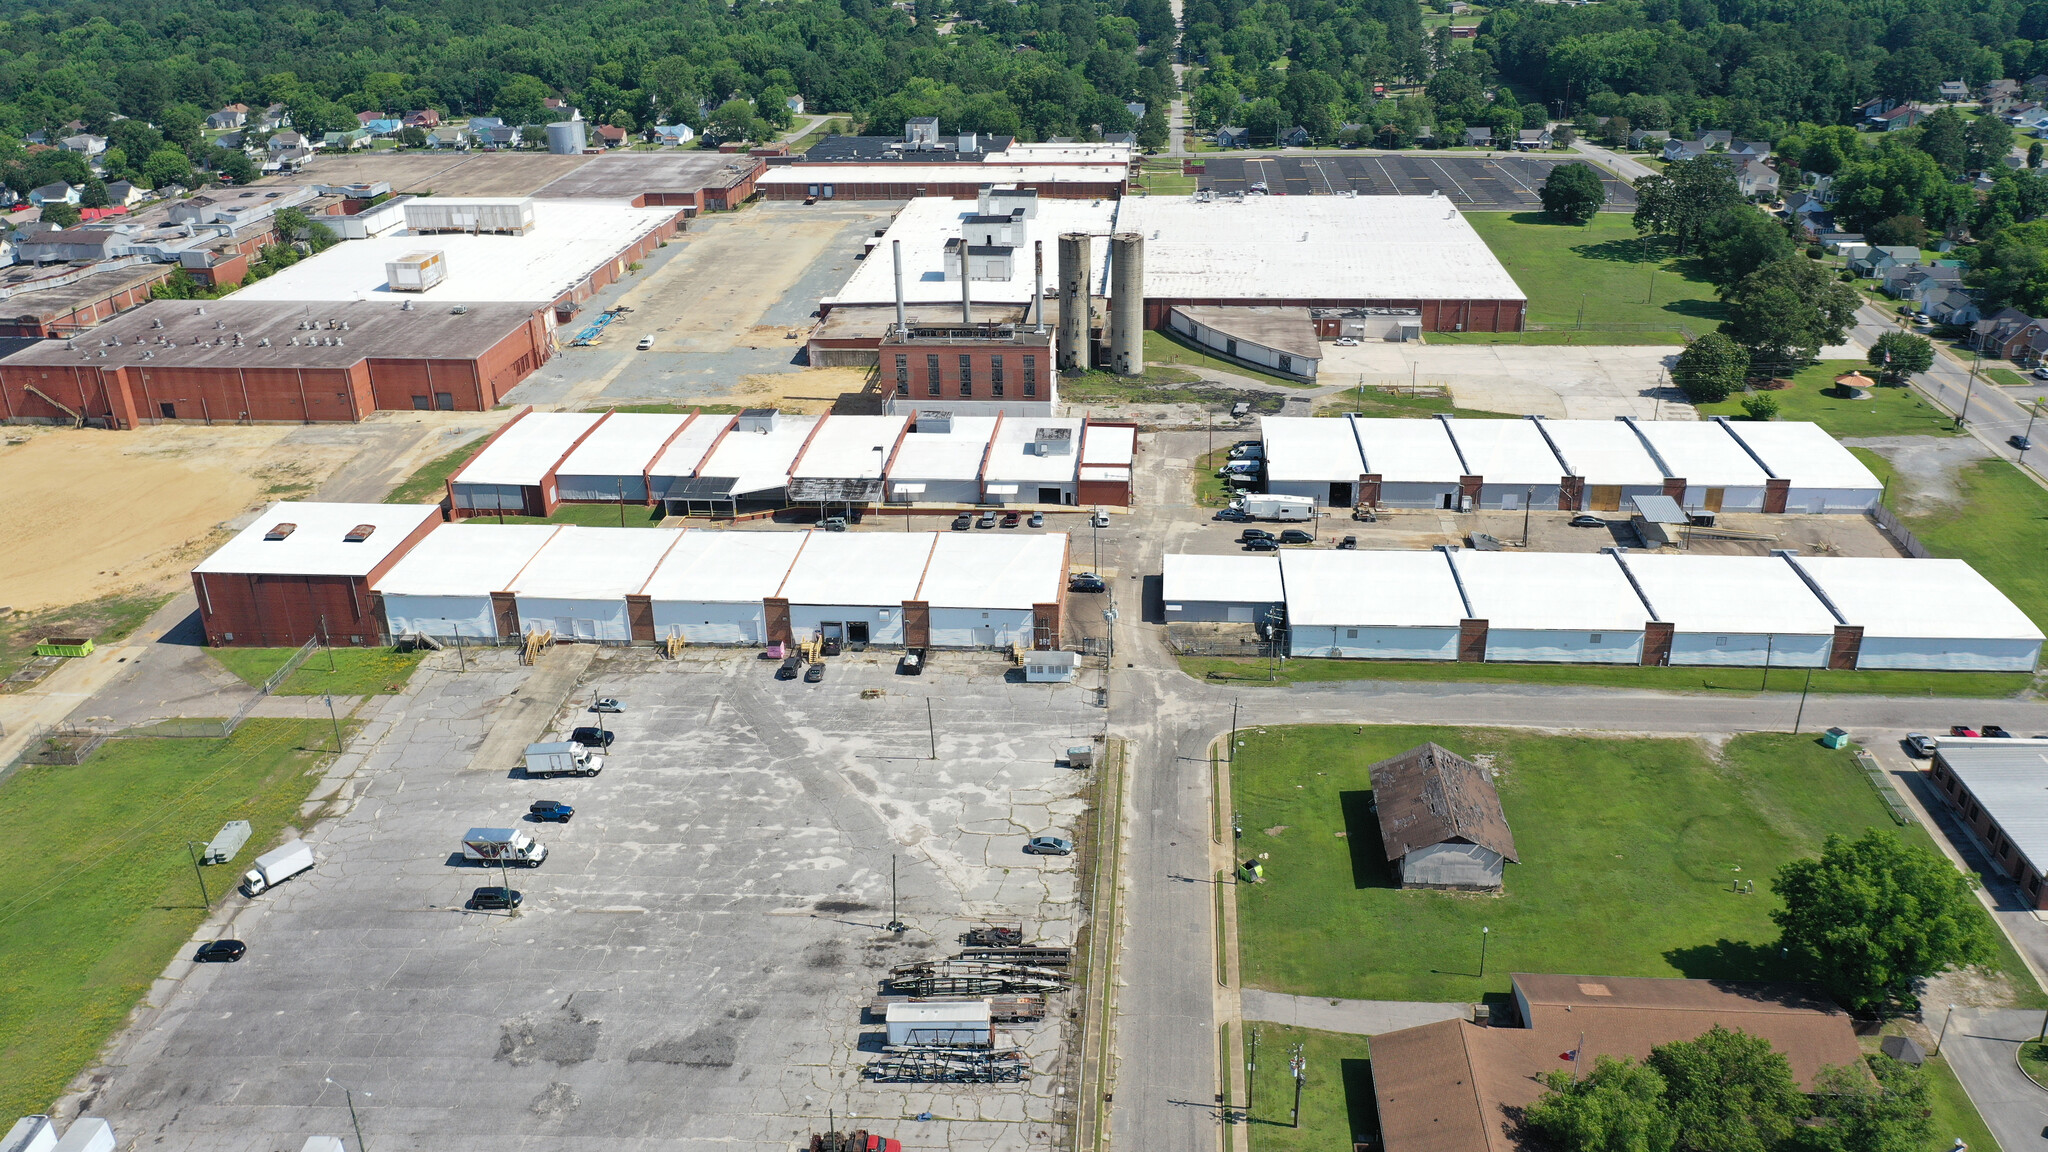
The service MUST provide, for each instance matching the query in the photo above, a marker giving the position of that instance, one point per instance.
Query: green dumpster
(65, 646)
(1834, 738)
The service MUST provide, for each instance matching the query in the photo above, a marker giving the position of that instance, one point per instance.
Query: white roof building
(570, 240)
(850, 447)
(758, 460)
(942, 467)
(1372, 604)
(1929, 614)
(1305, 455)
(854, 585)
(576, 586)
(1734, 609)
(1198, 587)
(1605, 452)
(710, 588)
(610, 462)
(1824, 475)
(926, 224)
(527, 449)
(1553, 607)
(1108, 452)
(982, 590)
(1407, 451)
(685, 453)
(1709, 460)
(1509, 452)
(442, 588)
(306, 538)
(1033, 460)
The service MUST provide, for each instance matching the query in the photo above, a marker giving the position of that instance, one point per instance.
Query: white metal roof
(473, 559)
(1738, 595)
(686, 451)
(1109, 445)
(594, 563)
(954, 455)
(757, 461)
(2009, 778)
(1506, 451)
(1370, 589)
(1939, 599)
(859, 568)
(939, 1012)
(926, 223)
(570, 240)
(851, 447)
(897, 172)
(1324, 247)
(624, 445)
(1702, 453)
(1563, 591)
(1604, 452)
(1407, 451)
(315, 547)
(729, 567)
(1009, 460)
(1016, 570)
(1196, 578)
(1062, 154)
(1308, 449)
(1806, 455)
(527, 448)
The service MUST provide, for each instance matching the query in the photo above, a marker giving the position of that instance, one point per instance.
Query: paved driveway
(1980, 1046)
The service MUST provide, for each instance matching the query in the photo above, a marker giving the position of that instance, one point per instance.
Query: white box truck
(1260, 506)
(276, 866)
(563, 758)
(506, 845)
(87, 1134)
(30, 1134)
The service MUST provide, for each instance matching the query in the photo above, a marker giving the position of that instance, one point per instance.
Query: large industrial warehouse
(372, 573)
(1616, 607)
(1995, 787)
(1574, 465)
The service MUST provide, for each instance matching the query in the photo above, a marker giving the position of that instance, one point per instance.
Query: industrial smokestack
(896, 250)
(966, 289)
(1074, 302)
(1127, 304)
(1038, 284)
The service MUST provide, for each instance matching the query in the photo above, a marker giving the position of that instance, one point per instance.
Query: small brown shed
(1441, 820)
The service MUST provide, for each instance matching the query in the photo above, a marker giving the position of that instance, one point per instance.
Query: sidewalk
(1359, 1017)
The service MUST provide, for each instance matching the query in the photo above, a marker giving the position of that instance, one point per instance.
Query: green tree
(165, 167)
(1945, 137)
(1678, 203)
(1897, 355)
(1785, 312)
(1619, 1107)
(61, 214)
(1869, 917)
(1711, 369)
(2034, 151)
(1573, 193)
(1897, 181)
(232, 164)
(734, 120)
(1761, 406)
(94, 194)
(1826, 149)
(1266, 119)
(1615, 132)
(1728, 1091)
(1899, 231)
(1892, 1114)
(1737, 241)
(1990, 140)
(180, 124)
(412, 136)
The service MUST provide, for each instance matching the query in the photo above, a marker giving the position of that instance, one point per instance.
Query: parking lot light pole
(895, 920)
(336, 721)
(199, 872)
(349, 1095)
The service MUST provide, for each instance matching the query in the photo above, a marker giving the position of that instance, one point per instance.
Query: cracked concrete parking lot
(692, 960)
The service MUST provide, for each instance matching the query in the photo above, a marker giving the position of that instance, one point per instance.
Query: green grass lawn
(1165, 348)
(2001, 529)
(356, 671)
(1586, 337)
(1378, 401)
(1337, 1105)
(1868, 682)
(430, 484)
(2008, 378)
(1626, 286)
(101, 893)
(1889, 411)
(105, 620)
(1629, 848)
(1953, 1114)
(1163, 386)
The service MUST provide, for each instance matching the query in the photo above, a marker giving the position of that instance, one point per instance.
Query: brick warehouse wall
(261, 611)
(915, 381)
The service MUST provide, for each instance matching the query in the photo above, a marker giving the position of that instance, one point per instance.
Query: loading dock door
(832, 630)
(1340, 495)
(1606, 497)
(857, 632)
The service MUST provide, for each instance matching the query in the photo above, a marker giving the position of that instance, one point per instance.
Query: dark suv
(488, 899)
(546, 810)
(1295, 536)
(592, 737)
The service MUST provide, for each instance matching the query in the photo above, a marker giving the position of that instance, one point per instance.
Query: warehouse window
(1720, 641)
(1286, 362)
(1030, 377)
(995, 375)
(931, 375)
(903, 375)
(422, 403)
(1594, 639)
(1351, 633)
(966, 377)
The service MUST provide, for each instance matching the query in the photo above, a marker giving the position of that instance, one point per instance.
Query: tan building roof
(1455, 1086)
(1431, 795)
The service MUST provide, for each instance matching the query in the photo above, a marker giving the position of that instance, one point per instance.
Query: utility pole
(1798, 718)
(349, 1095)
(336, 721)
(1485, 934)
(1251, 1070)
(1969, 389)
(1233, 732)
(895, 920)
(1770, 643)
(2027, 437)
(1528, 498)
(1298, 1064)
(204, 899)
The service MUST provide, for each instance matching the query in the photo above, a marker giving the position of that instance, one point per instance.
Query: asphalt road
(1981, 1046)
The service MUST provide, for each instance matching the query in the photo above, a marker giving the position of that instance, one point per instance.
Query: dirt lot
(445, 173)
(92, 514)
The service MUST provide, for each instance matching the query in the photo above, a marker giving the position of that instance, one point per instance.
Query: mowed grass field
(101, 893)
(354, 671)
(1743, 681)
(1630, 850)
(1337, 1104)
(1593, 284)
(1889, 411)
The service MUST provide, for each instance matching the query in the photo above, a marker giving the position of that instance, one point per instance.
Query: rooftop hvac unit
(416, 271)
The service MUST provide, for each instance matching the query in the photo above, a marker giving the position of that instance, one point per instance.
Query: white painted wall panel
(1706, 648)
(705, 623)
(1376, 643)
(441, 616)
(885, 624)
(600, 620)
(1821, 500)
(1545, 645)
(1957, 655)
(1453, 866)
(974, 627)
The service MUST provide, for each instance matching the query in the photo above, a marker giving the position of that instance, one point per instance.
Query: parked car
(792, 667)
(833, 524)
(814, 673)
(1086, 582)
(1994, 731)
(988, 520)
(963, 522)
(1099, 520)
(1048, 846)
(1037, 520)
(1961, 730)
(1346, 342)
(606, 704)
(486, 899)
(2041, 373)
(1241, 468)
(1231, 514)
(1348, 544)
(1295, 536)
(883, 1143)
(1919, 745)
(646, 342)
(1012, 519)
(1247, 451)
(1253, 534)
(220, 952)
(1256, 544)
(2023, 443)
(1588, 522)
(591, 737)
(544, 811)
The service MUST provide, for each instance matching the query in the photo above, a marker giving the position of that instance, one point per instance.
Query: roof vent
(201, 311)
(359, 533)
(156, 323)
(280, 530)
(218, 324)
(265, 342)
(458, 310)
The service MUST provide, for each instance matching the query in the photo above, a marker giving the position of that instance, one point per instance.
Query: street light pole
(2027, 437)
(1801, 715)
(1485, 934)
(1944, 1029)
(336, 721)
(349, 1095)
(1298, 1063)
(199, 872)
(895, 920)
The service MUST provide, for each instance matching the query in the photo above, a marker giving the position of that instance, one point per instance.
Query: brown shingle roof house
(1455, 1086)
(1441, 820)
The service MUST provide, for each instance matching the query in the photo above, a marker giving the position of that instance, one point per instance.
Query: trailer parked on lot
(276, 866)
(1260, 506)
